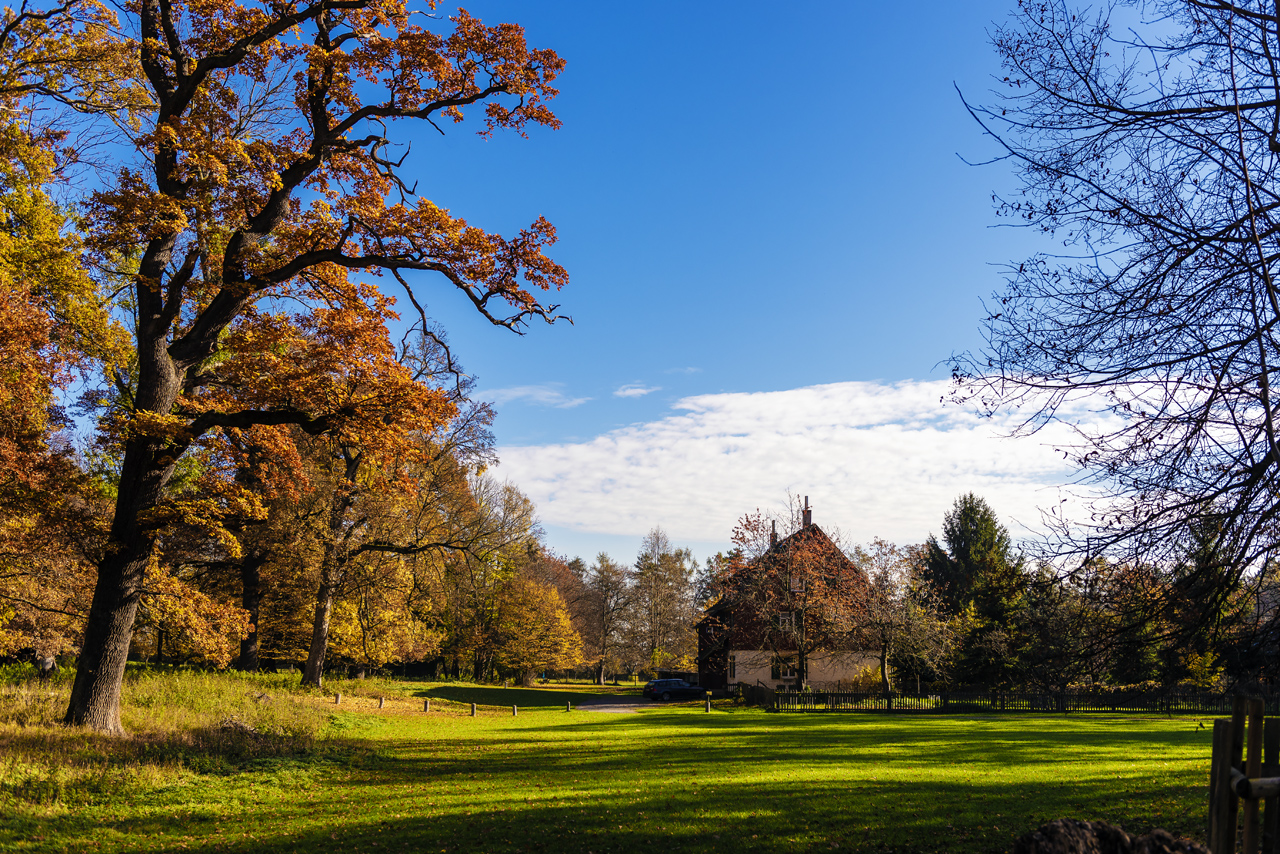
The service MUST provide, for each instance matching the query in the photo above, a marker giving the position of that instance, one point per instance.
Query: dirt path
(613, 705)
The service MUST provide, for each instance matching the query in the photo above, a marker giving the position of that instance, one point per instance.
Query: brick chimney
(808, 512)
(773, 533)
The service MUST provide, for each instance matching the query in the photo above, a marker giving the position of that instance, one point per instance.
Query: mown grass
(668, 778)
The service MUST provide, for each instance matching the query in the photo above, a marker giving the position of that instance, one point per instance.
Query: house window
(783, 668)
(797, 584)
(733, 666)
(787, 621)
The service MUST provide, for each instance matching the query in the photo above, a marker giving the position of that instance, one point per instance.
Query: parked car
(672, 689)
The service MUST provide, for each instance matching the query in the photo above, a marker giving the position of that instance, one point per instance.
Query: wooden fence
(758, 695)
(1242, 780)
(961, 702)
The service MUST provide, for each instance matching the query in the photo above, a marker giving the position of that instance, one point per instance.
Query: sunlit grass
(668, 778)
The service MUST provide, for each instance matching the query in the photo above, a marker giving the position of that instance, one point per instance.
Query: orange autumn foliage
(261, 213)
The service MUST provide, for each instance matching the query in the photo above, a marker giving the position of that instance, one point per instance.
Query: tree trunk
(331, 568)
(251, 601)
(313, 672)
(885, 685)
(95, 694)
(147, 467)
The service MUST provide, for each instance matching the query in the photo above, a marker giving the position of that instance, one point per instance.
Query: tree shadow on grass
(532, 698)
(776, 815)
(688, 781)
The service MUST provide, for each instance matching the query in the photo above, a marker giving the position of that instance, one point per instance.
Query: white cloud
(635, 390)
(875, 460)
(548, 394)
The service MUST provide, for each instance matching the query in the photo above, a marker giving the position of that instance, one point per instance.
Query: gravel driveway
(613, 705)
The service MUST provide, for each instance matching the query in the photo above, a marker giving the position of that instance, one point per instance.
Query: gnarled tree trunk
(251, 601)
(331, 568)
(148, 465)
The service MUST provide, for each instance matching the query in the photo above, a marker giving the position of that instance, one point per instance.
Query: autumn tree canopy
(258, 196)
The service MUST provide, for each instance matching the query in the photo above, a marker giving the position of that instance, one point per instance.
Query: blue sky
(773, 244)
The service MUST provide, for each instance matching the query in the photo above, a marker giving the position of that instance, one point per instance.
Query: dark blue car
(672, 689)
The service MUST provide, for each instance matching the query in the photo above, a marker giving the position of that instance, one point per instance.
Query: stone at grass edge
(1073, 836)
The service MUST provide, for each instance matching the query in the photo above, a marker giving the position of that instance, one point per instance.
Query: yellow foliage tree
(186, 623)
(382, 620)
(53, 327)
(535, 631)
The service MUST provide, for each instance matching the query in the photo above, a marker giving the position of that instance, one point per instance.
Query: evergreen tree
(979, 580)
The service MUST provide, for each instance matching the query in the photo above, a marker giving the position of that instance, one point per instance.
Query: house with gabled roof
(788, 617)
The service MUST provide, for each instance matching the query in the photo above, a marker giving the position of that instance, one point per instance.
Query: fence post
(1252, 770)
(514, 711)
(568, 706)
(381, 700)
(426, 705)
(1219, 788)
(1271, 768)
(337, 699)
(473, 710)
(1238, 711)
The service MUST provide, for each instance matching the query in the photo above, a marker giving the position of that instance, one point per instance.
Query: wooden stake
(337, 698)
(1219, 789)
(567, 706)
(1253, 770)
(426, 705)
(473, 710)
(514, 711)
(1271, 768)
(381, 700)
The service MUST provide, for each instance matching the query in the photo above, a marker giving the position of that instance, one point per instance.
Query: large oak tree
(266, 176)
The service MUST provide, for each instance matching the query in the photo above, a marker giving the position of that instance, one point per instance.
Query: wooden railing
(758, 695)
(998, 701)
(1244, 775)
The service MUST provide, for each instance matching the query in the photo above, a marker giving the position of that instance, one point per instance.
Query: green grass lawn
(668, 778)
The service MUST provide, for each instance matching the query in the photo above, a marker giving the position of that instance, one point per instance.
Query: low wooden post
(568, 707)
(514, 711)
(381, 700)
(473, 710)
(708, 701)
(426, 705)
(337, 699)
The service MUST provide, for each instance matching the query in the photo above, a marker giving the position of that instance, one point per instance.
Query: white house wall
(756, 665)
